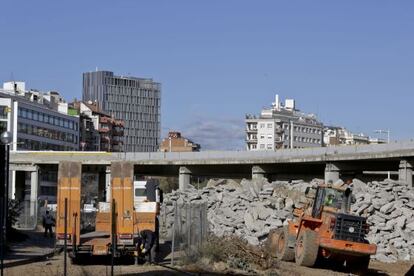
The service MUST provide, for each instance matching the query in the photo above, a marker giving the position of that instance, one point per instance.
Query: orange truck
(123, 226)
(325, 230)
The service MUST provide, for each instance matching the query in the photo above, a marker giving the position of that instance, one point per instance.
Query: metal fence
(190, 229)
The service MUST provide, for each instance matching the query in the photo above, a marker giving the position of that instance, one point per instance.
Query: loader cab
(332, 198)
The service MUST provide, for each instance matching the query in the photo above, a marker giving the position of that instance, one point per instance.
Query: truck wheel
(358, 265)
(306, 249)
(283, 251)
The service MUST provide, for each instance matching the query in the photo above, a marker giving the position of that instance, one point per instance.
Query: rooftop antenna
(276, 104)
(96, 68)
(11, 77)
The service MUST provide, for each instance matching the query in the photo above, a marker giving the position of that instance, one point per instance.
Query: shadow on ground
(410, 272)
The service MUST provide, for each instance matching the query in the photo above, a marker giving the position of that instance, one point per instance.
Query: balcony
(279, 130)
(119, 123)
(115, 142)
(118, 133)
(104, 120)
(251, 130)
(278, 140)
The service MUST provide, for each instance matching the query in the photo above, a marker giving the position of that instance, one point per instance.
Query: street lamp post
(5, 139)
(381, 131)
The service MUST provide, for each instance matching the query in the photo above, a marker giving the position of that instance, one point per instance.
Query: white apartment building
(37, 121)
(282, 126)
(334, 135)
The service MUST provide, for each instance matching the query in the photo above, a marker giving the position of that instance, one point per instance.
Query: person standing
(48, 222)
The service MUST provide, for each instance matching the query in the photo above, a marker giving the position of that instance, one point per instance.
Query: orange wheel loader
(325, 230)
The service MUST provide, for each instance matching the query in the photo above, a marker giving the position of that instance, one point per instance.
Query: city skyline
(219, 61)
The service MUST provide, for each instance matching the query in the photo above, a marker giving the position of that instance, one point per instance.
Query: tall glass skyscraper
(136, 101)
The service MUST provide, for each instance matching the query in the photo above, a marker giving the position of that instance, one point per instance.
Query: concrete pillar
(258, 172)
(12, 184)
(34, 185)
(331, 172)
(184, 178)
(405, 172)
(108, 184)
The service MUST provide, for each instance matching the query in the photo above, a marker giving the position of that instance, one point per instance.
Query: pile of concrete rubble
(389, 208)
(252, 208)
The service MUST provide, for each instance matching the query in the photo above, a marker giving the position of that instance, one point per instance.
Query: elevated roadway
(328, 161)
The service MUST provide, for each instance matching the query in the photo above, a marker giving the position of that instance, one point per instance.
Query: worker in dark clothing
(48, 222)
(146, 242)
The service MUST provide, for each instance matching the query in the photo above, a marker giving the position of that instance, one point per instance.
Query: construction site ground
(99, 266)
(54, 266)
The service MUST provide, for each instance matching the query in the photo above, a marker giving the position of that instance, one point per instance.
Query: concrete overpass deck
(330, 162)
(392, 151)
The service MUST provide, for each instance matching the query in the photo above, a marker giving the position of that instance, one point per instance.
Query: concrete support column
(405, 172)
(184, 178)
(108, 184)
(34, 186)
(12, 184)
(258, 172)
(331, 173)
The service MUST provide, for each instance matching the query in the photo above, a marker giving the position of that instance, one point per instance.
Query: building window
(254, 146)
(3, 126)
(262, 125)
(3, 112)
(262, 136)
(269, 146)
(269, 136)
(262, 146)
(269, 125)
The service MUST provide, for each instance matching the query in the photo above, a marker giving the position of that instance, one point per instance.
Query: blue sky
(350, 62)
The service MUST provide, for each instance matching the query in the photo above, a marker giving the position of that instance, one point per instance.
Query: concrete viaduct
(331, 163)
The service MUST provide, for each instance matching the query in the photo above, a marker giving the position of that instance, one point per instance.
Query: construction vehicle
(119, 224)
(324, 229)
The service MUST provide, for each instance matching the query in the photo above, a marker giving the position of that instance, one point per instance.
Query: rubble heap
(249, 209)
(254, 207)
(389, 208)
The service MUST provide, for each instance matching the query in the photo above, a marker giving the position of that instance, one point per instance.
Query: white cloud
(216, 134)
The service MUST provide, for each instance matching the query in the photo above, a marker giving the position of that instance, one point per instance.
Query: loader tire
(306, 249)
(283, 251)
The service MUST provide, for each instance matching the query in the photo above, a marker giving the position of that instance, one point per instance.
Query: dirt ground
(54, 267)
(375, 268)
